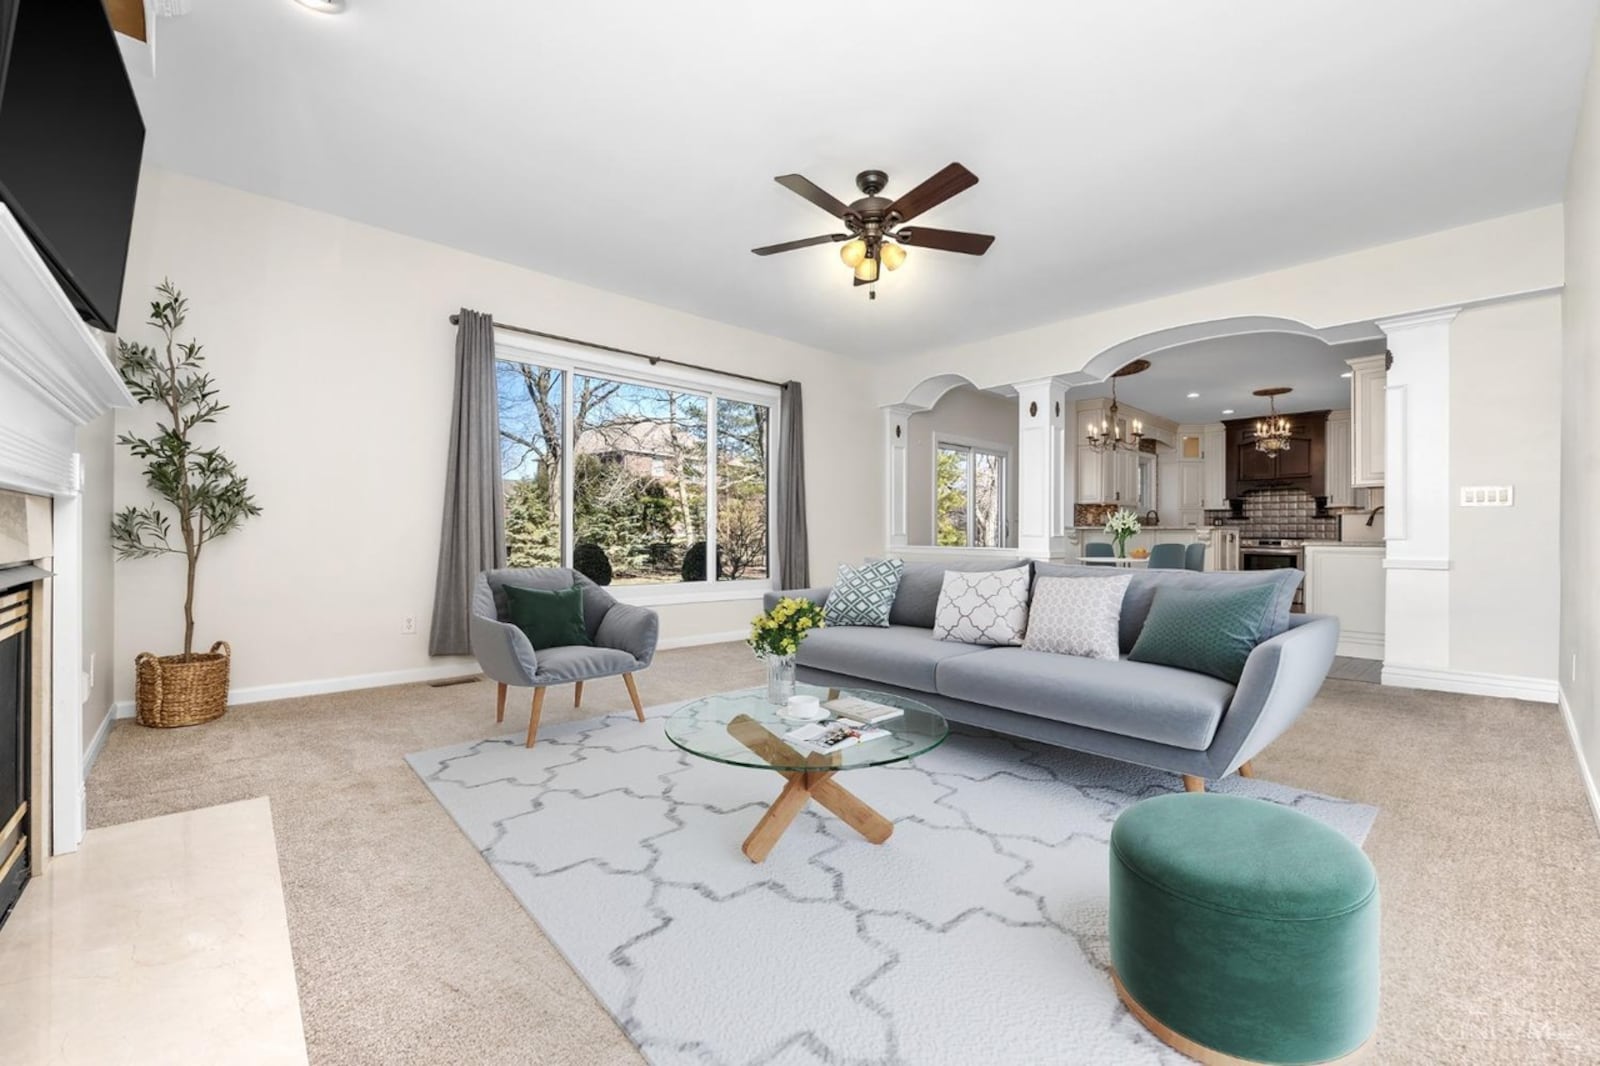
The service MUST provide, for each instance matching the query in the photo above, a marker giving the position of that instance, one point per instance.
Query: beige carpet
(408, 949)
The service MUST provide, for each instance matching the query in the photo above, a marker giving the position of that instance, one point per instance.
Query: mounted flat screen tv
(70, 145)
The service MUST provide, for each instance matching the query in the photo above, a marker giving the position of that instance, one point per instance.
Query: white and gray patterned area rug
(976, 934)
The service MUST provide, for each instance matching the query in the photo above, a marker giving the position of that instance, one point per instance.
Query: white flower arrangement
(1123, 524)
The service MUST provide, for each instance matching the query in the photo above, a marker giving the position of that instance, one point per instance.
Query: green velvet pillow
(1209, 631)
(552, 618)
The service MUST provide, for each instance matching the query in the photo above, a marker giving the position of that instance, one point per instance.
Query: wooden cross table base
(802, 786)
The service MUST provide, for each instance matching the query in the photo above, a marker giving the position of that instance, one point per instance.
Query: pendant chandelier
(1272, 432)
(1112, 434)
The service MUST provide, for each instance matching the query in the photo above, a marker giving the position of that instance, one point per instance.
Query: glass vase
(1122, 547)
(780, 678)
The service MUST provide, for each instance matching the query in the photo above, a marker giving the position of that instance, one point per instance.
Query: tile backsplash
(1287, 514)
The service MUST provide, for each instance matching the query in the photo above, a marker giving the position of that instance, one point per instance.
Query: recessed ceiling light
(326, 7)
(1348, 374)
(1194, 396)
(1227, 410)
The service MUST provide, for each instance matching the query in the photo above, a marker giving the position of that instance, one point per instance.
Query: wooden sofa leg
(500, 704)
(633, 694)
(533, 719)
(1247, 769)
(577, 695)
(1191, 783)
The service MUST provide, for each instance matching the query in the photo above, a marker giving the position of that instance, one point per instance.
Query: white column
(896, 435)
(1044, 474)
(1416, 495)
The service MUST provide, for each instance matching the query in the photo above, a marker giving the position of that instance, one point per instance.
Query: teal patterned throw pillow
(862, 595)
(1204, 630)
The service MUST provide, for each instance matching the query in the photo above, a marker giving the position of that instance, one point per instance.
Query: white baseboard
(454, 668)
(292, 689)
(92, 752)
(1506, 686)
(1358, 646)
(704, 638)
(1583, 764)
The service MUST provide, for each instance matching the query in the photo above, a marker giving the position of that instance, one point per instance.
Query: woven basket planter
(177, 690)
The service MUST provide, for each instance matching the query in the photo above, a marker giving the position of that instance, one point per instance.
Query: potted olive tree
(207, 496)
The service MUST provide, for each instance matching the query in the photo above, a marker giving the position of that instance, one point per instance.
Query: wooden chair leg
(500, 704)
(633, 694)
(533, 719)
(1191, 783)
(577, 695)
(1247, 769)
(833, 693)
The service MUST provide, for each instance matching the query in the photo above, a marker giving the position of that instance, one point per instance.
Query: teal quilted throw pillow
(1205, 630)
(862, 595)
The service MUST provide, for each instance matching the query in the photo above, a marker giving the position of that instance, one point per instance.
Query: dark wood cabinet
(1303, 466)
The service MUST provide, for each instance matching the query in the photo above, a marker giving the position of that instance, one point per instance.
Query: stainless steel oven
(1275, 555)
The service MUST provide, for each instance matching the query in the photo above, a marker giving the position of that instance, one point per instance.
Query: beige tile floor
(160, 941)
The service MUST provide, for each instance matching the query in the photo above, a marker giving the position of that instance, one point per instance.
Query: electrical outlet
(408, 625)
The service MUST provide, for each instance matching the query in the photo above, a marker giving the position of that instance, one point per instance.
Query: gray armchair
(624, 639)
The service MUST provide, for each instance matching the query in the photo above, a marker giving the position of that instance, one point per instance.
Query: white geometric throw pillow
(987, 607)
(1077, 615)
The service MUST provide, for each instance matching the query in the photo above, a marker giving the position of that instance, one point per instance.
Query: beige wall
(1505, 419)
(95, 446)
(969, 415)
(331, 342)
(1519, 253)
(1580, 476)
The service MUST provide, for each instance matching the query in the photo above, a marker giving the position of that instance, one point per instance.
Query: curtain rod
(455, 320)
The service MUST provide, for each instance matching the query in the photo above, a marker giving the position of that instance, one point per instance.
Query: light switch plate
(1486, 496)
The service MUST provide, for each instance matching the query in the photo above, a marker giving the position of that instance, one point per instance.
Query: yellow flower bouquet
(778, 633)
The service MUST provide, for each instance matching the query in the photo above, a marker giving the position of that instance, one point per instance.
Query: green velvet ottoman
(1243, 931)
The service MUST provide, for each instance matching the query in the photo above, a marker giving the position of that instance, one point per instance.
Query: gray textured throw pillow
(862, 595)
(1077, 615)
(977, 608)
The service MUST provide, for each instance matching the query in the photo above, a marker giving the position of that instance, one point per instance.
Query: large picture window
(666, 482)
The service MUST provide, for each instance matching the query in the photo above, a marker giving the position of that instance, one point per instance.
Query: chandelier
(1272, 432)
(1112, 433)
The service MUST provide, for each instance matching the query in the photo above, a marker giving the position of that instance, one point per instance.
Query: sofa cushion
(1209, 631)
(1074, 617)
(1142, 592)
(1140, 700)
(916, 603)
(862, 595)
(560, 665)
(906, 656)
(983, 608)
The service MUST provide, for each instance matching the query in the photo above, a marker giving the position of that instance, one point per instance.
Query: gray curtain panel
(473, 538)
(794, 546)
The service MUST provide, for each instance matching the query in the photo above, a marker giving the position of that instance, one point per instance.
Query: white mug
(805, 706)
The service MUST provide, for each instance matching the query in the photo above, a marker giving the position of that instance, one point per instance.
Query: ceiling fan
(878, 234)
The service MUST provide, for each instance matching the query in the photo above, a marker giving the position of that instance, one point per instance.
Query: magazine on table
(860, 711)
(827, 737)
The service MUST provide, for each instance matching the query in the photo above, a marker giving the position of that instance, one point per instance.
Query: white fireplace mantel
(55, 376)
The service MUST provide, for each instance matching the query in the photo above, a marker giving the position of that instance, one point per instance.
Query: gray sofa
(1170, 719)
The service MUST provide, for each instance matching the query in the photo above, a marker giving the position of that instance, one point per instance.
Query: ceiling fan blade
(945, 240)
(809, 189)
(933, 192)
(789, 246)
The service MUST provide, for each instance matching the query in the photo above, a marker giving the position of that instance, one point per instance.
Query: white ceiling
(1226, 370)
(1124, 149)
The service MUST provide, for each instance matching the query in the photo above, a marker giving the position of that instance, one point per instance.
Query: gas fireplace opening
(16, 670)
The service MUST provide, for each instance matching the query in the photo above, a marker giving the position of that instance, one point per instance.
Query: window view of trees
(741, 490)
(640, 477)
(969, 497)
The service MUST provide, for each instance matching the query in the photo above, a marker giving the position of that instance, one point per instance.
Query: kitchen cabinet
(1347, 581)
(1191, 492)
(1340, 486)
(1108, 477)
(1368, 411)
(1214, 459)
(1302, 466)
(1201, 468)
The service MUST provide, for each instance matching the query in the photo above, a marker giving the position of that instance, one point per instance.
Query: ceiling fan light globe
(867, 270)
(853, 252)
(892, 255)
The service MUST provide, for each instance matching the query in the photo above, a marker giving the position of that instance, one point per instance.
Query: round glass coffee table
(743, 729)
